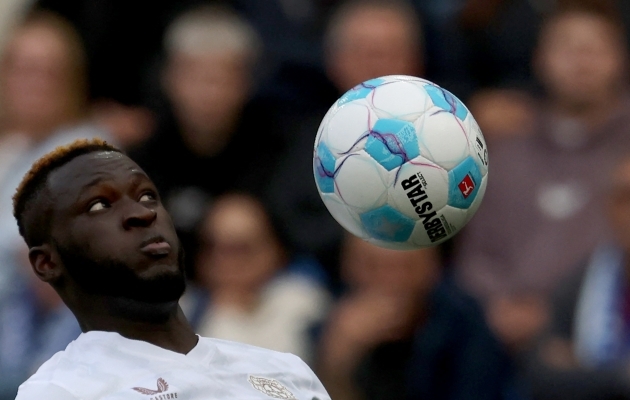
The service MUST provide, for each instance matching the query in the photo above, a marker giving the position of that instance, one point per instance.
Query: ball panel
(442, 138)
(392, 142)
(324, 124)
(360, 183)
(387, 224)
(454, 219)
(415, 180)
(360, 91)
(477, 145)
(401, 100)
(348, 126)
(324, 168)
(464, 181)
(445, 100)
(429, 231)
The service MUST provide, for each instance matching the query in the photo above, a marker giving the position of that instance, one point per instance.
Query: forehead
(237, 218)
(69, 180)
(579, 26)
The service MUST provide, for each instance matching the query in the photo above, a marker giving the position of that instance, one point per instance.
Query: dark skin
(105, 205)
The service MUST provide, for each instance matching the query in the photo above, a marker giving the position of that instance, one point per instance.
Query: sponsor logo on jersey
(271, 387)
(159, 393)
(466, 186)
(415, 189)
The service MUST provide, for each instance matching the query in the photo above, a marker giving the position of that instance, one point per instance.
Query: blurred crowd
(220, 101)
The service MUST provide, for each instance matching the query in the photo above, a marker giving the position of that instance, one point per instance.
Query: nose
(138, 216)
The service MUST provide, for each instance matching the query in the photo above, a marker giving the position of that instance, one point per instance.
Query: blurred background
(220, 101)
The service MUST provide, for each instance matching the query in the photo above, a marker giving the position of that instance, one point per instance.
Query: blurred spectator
(253, 289)
(500, 41)
(365, 39)
(543, 209)
(210, 136)
(476, 44)
(404, 331)
(292, 31)
(586, 352)
(503, 113)
(368, 39)
(122, 41)
(34, 325)
(42, 105)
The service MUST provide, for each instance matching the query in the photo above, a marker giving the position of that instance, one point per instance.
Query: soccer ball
(400, 162)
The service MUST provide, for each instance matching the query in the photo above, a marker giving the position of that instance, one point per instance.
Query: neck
(162, 324)
(210, 141)
(244, 300)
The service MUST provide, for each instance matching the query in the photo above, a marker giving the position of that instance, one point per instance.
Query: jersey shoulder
(241, 351)
(46, 383)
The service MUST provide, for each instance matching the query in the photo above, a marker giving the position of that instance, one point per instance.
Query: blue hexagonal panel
(324, 169)
(463, 183)
(446, 101)
(392, 143)
(360, 91)
(387, 224)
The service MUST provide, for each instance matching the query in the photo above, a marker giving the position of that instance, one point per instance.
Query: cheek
(100, 238)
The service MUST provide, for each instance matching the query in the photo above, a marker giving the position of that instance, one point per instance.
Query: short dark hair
(34, 182)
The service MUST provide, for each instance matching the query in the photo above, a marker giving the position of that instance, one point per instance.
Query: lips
(155, 246)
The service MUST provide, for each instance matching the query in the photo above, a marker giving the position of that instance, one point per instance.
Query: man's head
(581, 57)
(241, 247)
(95, 227)
(210, 58)
(366, 39)
(42, 75)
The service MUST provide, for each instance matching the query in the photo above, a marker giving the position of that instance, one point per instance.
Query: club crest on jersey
(466, 186)
(271, 387)
(159, 393)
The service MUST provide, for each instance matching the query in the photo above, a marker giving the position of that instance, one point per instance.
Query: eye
(147, 197)
(97, 206)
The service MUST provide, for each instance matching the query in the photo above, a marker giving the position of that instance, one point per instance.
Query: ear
(43, 262)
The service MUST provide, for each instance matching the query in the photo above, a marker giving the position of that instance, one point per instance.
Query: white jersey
(106, 366)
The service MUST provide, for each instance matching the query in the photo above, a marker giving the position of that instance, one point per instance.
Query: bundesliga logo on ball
(400, 162)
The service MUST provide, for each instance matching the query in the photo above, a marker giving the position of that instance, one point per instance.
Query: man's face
(207, 89)
(111, 231)
(580, 59)
(620, 205)
(373, 43)
(239, 250)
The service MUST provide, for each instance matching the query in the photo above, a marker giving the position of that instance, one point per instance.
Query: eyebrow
(100, 179)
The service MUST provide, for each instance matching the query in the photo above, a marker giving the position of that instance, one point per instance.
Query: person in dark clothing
(358, 30)
(211, 136)
(403, 330)
(585, 351)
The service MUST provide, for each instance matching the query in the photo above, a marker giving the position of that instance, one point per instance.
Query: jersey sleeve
(48, 391)
(308, 382)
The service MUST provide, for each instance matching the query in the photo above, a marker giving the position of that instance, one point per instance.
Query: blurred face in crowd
(208, 91)
(372, 42)
(620, 204)
(239, 248)
(39, 80)
(369, 268)
(580, 60)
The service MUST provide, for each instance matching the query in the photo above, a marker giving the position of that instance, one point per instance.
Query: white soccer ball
(400, 162)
